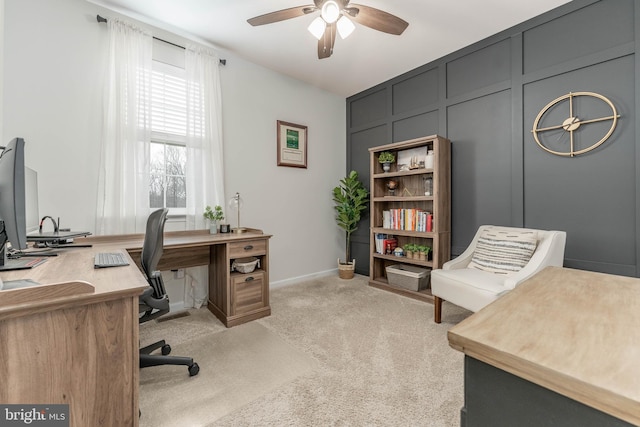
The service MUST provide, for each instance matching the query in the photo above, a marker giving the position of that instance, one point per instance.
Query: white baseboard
(299, 279)
(179, 305)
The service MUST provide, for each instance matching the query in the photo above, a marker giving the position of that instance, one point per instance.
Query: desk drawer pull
(249, 279)
(248, 247)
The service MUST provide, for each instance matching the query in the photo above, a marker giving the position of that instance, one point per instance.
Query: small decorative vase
(392, 185)
(386, 167)
(213, 227)
(423, 256)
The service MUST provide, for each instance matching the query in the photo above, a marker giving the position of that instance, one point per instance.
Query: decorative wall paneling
(485, 97)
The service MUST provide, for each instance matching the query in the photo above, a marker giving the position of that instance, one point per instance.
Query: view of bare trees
(168, 185)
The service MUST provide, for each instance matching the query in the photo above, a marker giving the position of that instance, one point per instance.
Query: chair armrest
(549, 253)
(151, 301)
(463, 260)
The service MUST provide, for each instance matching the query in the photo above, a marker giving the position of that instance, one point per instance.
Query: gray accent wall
(485, 98)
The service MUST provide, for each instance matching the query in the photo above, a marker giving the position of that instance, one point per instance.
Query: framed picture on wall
(292, 145)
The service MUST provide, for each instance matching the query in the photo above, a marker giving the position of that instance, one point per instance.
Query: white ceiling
(365, 59)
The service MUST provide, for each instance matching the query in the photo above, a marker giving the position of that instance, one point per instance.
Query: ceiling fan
(336, 15)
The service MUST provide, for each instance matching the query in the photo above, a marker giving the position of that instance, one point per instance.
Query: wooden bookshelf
(410, 194)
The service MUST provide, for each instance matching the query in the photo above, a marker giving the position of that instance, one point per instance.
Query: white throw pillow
(503, 252)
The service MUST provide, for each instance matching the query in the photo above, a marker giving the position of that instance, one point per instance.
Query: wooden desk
(73, 339)
(234, 298)
(566, 345)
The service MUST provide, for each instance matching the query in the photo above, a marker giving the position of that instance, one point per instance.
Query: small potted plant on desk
(213, 216)
(386, 158)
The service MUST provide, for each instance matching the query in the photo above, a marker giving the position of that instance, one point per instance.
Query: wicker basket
(245, 265)
(346, 271)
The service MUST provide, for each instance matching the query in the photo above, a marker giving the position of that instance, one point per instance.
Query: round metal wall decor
(583, 119)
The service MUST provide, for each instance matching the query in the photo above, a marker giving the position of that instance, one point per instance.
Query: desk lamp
(235, 203)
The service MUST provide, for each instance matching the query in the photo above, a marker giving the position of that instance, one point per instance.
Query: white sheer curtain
(205, 174)
(123, 187)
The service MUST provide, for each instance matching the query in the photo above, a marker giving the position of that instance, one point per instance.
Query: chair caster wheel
(194, 369)
(166, 349)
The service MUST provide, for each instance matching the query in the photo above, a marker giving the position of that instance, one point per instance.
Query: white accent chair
(473, 289)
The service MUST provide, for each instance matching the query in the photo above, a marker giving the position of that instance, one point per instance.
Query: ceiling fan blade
(378, 19)
(282, 15)
(325, 44)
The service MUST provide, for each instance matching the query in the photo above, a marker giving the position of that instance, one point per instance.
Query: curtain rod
(101, 19)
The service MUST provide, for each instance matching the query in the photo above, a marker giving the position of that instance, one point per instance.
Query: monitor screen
(12, 193)
(32, 214)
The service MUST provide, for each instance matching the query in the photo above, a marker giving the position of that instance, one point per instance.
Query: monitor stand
(7, 264)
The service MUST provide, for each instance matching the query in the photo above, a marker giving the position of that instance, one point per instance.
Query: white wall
(54, 57)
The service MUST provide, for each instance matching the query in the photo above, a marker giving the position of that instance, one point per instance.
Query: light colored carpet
(333, 353)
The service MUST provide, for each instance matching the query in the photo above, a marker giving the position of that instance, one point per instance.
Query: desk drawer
(175, 258)
(247, 248)
(248, 292)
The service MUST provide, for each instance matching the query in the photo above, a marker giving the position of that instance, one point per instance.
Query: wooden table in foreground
(73, 338)
(562, 349)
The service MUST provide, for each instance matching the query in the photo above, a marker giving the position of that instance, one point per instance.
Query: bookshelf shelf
(402, 199)
(422, 234)
(381, 283)
(403, 260)
(408, 205)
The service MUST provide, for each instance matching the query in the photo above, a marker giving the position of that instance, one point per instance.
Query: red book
(429, 222)
(389, 245)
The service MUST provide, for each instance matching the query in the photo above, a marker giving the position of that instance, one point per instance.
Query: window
(168, 153)
(168, 180)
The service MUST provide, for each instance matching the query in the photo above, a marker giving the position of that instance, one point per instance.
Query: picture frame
(292, 145)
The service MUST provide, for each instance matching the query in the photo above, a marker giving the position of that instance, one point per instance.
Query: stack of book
(385, 244)
(407, 219)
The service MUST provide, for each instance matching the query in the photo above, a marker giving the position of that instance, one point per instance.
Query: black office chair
(154, 301)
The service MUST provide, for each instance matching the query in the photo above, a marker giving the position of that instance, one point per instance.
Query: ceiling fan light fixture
(317, 27)
(330, 11)
(345, 27)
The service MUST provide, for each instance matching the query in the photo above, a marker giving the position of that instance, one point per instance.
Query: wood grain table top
(574, 332)
(70, 279)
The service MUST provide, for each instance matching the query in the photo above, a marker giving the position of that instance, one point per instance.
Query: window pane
(168, 103)
(156, 191)
(156, 152)
(176, 160)
(168, 154)
(176, 192)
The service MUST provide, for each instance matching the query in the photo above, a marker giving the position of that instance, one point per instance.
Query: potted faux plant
(213, 215)
(424, 252)
(350, 198)
(386, 158)
(409, 248)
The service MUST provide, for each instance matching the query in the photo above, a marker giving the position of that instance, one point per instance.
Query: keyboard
(105, 259)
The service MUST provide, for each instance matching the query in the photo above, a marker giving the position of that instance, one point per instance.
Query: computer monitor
(12, 197)
(32, 213)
